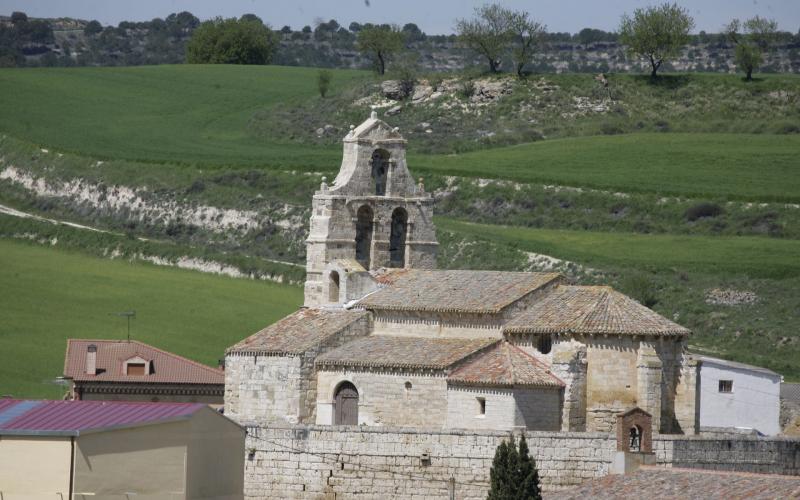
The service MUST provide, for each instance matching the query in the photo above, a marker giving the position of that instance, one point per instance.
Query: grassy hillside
(202, 115)
(669, 191)
(51, 295)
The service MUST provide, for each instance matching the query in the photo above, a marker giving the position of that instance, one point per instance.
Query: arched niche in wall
(333, 287)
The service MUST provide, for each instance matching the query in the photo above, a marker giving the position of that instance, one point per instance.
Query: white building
(736, 395)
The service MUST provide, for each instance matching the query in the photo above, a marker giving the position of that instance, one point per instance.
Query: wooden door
(346, 404)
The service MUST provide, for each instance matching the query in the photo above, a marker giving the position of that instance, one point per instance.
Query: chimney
(91, 360)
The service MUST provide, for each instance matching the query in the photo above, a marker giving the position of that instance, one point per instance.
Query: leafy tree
(513, 475)
(526, 35)
(231, 41)
(92, 28)
(487, 33)
(354, 27)
(656, 33)
(380, 43)
(752, 38)
(19, 17)
(306, 29)
(413, 33)
(324, 78)
(286, 30)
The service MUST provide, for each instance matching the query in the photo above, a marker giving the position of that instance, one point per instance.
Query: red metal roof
(72, 417)
(167, 368)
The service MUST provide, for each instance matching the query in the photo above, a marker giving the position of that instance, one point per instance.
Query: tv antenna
(128, 315)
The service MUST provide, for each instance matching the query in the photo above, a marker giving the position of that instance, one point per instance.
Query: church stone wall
(437, 325)
(385, 399)
(505, 409)
(263, 389)
(323, 462)
(611, 380)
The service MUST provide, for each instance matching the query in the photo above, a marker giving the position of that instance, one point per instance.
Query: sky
(432, 16)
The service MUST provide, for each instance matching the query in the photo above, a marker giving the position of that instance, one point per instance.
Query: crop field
(51, 295)
(756, 257)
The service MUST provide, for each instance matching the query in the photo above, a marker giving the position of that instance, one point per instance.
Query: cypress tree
(513, 475)
(529, 485)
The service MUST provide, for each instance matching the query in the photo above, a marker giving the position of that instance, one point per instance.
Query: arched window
(380, 165)
(545, 344)
(345, 403)
(397, 239)
(333, 290)
(364, 235)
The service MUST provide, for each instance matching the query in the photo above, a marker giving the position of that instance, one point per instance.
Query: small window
(481, 407)
(545, 344)
(726, 386)
(408, 386)
(135, 368)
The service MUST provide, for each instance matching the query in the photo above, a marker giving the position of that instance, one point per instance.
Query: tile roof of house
(403, 352)
(453, 291)
(591, 310)
(737, 365)
(167, 368)
(675, 483)
(71, 418)
(298, 332)
(504, 365)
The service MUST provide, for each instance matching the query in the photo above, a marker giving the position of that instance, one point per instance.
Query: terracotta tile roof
(167, 368)
(504, 365)
(591, 310)
(679, 484)
(31, 417)
(403, 352)
(298, 332)
(453, 291)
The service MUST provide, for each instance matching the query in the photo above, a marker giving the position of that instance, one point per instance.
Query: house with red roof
(122, 370)
(116, 449)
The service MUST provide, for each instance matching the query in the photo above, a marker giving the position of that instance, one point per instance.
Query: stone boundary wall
(324, 462)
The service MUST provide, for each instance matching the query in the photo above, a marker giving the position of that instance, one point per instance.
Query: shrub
(702, 210)
(324, 78)
(466, 89)
(607, 128)
(787, 128)
(641, 288)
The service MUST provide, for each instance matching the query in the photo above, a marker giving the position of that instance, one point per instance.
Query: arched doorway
(397, 239)
(380, 165)
(363, 235)
(345, 403)
(333, 290)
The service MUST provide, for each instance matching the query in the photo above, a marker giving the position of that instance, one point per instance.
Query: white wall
(754, 401)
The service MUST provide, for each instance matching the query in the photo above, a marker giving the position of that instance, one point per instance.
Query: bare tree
(752, 38)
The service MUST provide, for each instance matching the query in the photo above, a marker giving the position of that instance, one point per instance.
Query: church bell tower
(373, 216)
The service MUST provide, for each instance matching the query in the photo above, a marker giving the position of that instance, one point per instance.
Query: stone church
(386, 339)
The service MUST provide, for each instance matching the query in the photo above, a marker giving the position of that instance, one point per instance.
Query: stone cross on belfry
(373, 213)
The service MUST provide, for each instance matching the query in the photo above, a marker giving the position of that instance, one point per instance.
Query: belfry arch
(364, 224)
(397, 238)
(380, 169)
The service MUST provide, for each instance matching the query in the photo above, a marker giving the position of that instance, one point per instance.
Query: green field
(51, 295)
(755, 257)
(199, 115)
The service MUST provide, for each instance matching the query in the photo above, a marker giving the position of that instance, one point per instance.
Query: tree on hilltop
(752, 38)
(380, 43)
(513, 475)
(488, 33)
(495, 30)
(231, 41)
(656, 33)
(526, 35)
